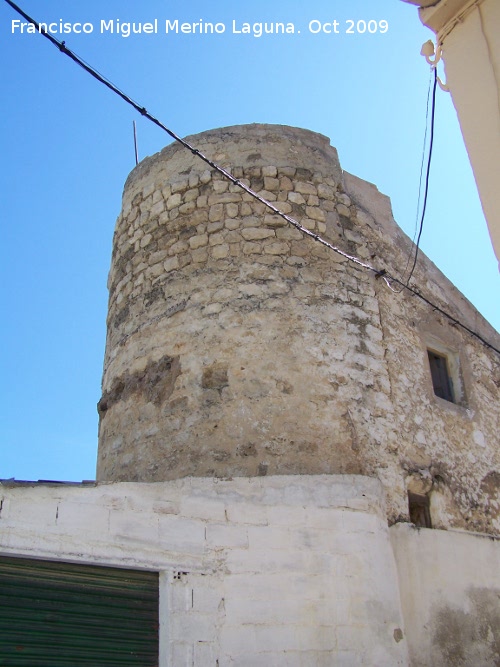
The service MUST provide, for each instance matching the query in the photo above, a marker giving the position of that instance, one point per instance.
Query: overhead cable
(379, 273)
(427, 175)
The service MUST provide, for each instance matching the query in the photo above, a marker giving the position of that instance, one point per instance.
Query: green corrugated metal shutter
(57, 614)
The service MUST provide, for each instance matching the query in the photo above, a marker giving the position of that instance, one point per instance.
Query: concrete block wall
(254, 571)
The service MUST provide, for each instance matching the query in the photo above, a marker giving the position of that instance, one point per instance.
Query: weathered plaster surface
(238, 347)
(282, 571)
(450, 594)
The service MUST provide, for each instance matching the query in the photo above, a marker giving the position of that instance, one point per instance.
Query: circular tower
(236, 345)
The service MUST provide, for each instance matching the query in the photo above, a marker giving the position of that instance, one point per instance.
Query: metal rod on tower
(135, 144)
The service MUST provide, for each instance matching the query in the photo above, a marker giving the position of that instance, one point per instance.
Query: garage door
(55, 614)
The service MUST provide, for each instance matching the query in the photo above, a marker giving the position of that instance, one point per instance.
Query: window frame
(442, 382)
(434, 345)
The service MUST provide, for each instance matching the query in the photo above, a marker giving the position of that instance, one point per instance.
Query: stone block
(289, 233)
(296, 198)
(191, 195)
(206, 176)
(171, 264)
(233, 237)
(198, 241)
(216, 239)
(308, 223)
(179, 247)
(173, 201)
(283, 206)
(155, 270)
(231, 210)
(232, 223)
(213, 227)
(344, 199)
(146, 240)
(269, 171)
(275, 221)
(251, 248)
(315, 213)
(220, 251)
(157, 208)
(268, 195)
(271, 184)
(181, 184)
(277, 248)
(256, 233)
(224, 198)
(199, 255)
(215, 213)
(220, 186)
(326, 192)
(186, 208)
(305, 188)
(343, 210)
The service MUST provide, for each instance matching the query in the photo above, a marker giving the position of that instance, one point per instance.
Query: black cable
(379, 273)
(422, 161)
(452, 319)
(93, 72)
(426, 191)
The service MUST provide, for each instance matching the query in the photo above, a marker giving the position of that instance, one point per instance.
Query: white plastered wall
(260, 571)
(450, 596)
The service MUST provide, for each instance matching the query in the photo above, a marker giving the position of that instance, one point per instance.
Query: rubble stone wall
(238, 347)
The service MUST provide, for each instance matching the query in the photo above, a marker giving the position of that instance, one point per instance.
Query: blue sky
(67, 149)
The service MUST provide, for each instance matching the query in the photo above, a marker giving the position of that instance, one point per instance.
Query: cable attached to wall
(379, 273)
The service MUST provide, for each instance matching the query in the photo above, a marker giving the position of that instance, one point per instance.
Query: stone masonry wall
(238, 347)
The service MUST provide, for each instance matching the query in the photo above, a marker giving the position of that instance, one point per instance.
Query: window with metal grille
(441, 380)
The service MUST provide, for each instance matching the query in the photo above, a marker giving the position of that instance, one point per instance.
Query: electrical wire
(421, 175)
(427, 175)
(379, 273)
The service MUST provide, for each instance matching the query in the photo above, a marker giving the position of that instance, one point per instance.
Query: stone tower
(279, 430)
(238, 347)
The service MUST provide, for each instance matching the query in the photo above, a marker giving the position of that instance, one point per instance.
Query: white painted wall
(289, 570)
(450, 596)
(281, 571)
